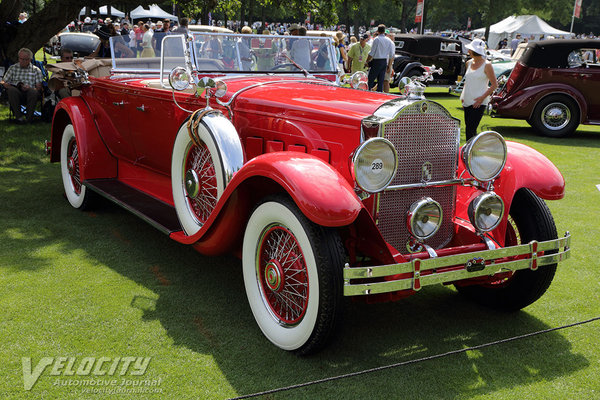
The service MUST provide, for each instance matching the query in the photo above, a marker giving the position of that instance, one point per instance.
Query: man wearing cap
(479, 83)
(380, 58)
(357, 55)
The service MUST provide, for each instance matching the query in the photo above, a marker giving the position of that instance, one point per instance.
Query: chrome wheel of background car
(77, 194)
(529, 219)
(556, 116)
(196, 177)
(293, 276)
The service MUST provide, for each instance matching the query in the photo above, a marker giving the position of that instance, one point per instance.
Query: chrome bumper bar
(481, 263)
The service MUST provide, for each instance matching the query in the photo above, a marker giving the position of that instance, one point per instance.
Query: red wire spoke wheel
(200, 182)
(283, 275)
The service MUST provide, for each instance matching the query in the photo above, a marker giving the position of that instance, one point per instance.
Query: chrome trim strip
(419, 185)
(417, 266)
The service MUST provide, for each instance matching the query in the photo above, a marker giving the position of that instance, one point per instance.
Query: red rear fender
(95, 159)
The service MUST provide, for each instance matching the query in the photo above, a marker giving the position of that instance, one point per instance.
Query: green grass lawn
(106, 284)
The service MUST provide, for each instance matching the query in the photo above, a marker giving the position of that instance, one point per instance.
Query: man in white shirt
(380, 58)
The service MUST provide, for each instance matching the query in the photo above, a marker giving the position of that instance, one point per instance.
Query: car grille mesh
(420, 137)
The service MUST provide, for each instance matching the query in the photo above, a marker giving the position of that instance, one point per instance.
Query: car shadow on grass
(201, 304)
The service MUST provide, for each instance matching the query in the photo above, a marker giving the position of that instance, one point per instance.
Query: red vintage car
(250, 144)
(555, 86)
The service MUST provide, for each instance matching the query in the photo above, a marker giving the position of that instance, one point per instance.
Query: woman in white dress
(480, 83)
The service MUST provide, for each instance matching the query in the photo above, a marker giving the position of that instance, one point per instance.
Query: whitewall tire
(76, 193)
(293, 276)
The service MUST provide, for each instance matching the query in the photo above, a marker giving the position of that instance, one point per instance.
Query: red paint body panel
(94, 158)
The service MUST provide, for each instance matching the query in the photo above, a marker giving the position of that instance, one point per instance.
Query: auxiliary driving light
(485, 212)
(485, 155)
(424, 218)
(374, 164)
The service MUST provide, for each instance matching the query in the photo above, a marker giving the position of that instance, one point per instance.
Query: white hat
(87, 20)
(477, 46)
(107, 21)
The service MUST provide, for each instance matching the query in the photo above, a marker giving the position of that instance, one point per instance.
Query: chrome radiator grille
(420, 137)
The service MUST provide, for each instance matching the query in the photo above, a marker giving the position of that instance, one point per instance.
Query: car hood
(306, 98)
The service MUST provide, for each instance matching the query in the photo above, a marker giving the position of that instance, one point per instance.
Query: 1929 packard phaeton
(250, 144)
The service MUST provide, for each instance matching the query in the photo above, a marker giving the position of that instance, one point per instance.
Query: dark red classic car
(250, 144)
(555, 86)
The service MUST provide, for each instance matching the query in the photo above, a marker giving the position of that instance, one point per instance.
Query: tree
(42, 25)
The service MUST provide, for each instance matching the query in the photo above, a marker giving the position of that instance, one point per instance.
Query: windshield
(262, 53)
(225, 52)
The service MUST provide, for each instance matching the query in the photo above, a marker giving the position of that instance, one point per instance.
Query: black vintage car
(416, 52)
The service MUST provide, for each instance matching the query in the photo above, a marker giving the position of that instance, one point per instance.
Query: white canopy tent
(155, 12)
(530, 27)
(104, 11)
(139, 13)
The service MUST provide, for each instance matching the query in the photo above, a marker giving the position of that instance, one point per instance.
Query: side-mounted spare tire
(202, 166)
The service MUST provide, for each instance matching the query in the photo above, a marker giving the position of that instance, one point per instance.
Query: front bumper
(424, 272)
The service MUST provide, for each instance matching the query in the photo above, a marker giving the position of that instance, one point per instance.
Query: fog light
(424, 218)
(486, 211)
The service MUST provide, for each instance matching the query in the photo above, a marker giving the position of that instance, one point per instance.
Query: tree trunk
(251, 13)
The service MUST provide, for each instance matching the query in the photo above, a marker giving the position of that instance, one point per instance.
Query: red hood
(300, 97)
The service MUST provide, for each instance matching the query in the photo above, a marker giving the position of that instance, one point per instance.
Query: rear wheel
(556, 116)
(293, 276)
(76, 193)
(529, 219)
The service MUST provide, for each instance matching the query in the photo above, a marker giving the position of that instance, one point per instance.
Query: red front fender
(94, 158)
(528, 168)
(525, 168)
(319, 190)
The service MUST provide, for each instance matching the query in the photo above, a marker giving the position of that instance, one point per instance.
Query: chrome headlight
(374, 164)
(485, 212)
(485, 155)
(359, 80)
(424, 218)
(179, 78)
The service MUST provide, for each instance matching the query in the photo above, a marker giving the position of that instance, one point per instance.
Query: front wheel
(529, 219)
(555, 116)
(293, 276)
(76, 193)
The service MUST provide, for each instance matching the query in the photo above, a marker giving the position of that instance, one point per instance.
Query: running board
(157, 213)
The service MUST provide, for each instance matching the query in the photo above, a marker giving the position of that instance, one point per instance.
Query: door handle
(141, 108)
(118, 104)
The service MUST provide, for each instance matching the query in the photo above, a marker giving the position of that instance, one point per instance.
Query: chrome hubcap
(192, 184)
(556, 116)
(274, 276)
